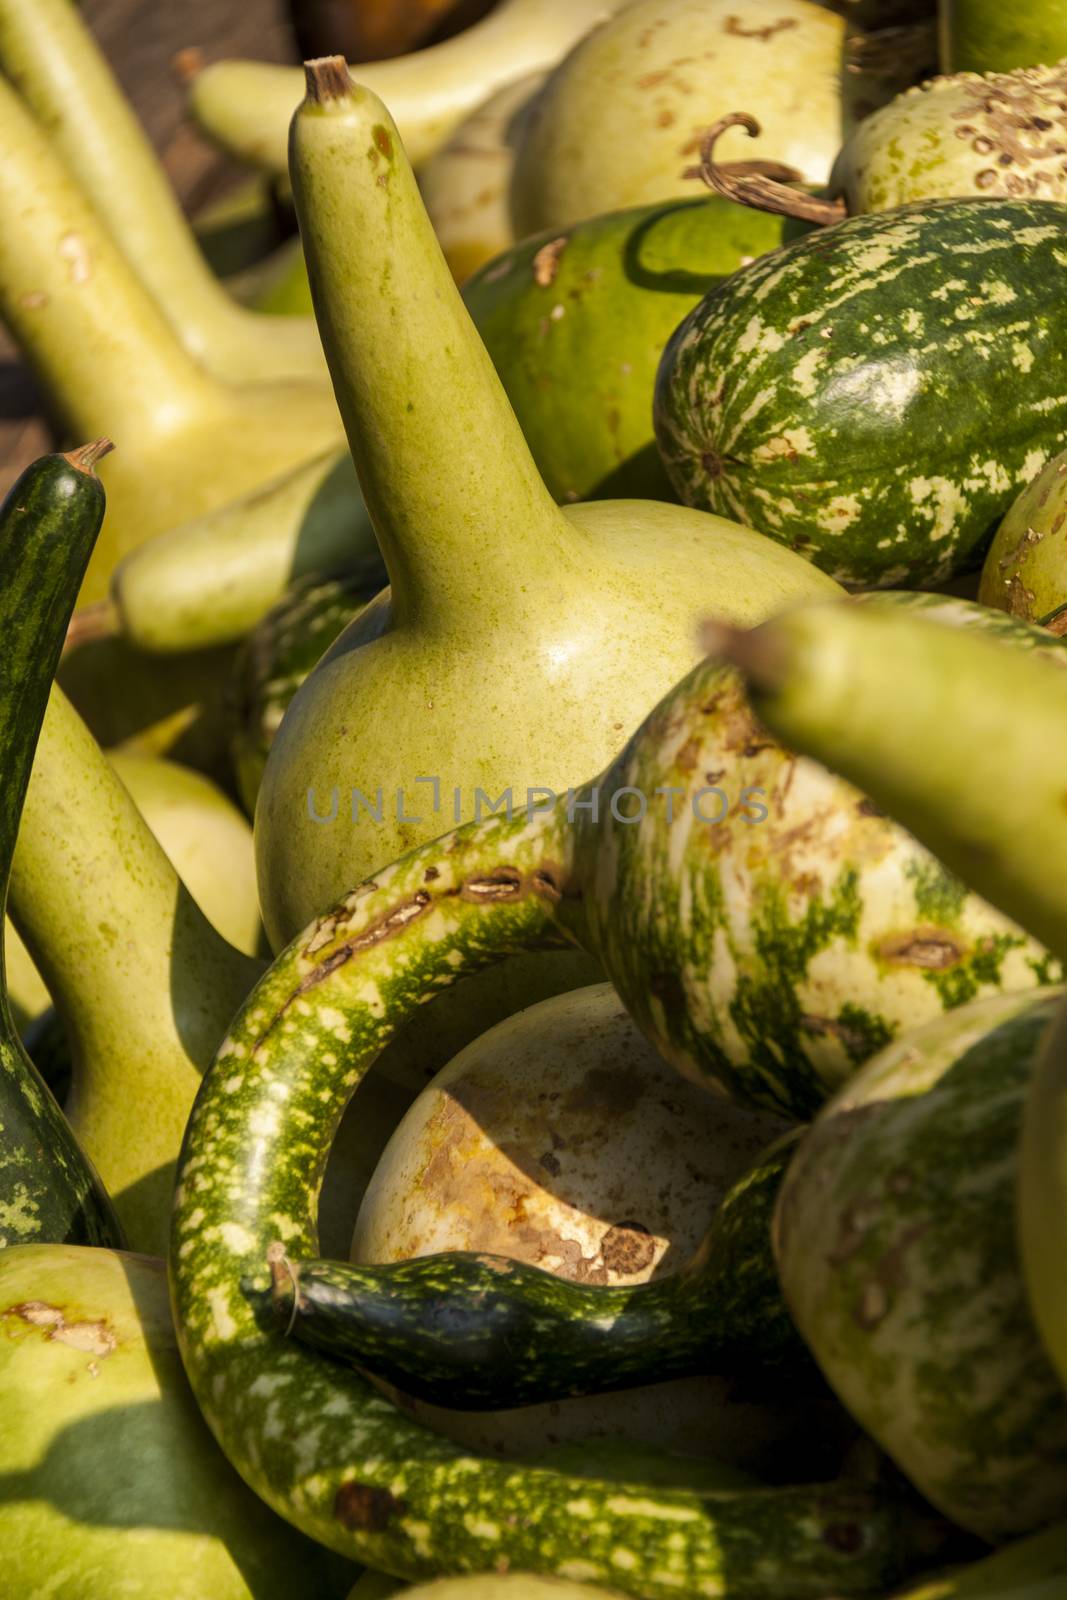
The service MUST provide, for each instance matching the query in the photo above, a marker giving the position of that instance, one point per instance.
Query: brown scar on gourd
(876, 1299)
(546, 262)
(363, 1506)
(93, 1338)
(930, 947)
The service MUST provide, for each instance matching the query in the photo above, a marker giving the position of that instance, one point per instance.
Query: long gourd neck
(464, 522)
(128, 956)
(101, 347)
(49, 53)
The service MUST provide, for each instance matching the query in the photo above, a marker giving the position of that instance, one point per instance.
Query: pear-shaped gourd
(206, 839)
(1025, 570)
(621, 119)
(143, 983)
(49, 54)
(466, 185)
(575, 323)
(603, 1171)
(48, 1189)
(896, 1245)
(110, 1483)
(245, 106)
(107, 359)
(517, 641)
(985, 36)
(251, 1166)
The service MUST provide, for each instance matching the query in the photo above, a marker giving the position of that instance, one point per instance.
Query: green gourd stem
(960, 737)
(51, 57)
(367, 1481)
(144, 984)
(210, 581)
(480, 1332)
(101, 347)
(417, 387)
(48, 525)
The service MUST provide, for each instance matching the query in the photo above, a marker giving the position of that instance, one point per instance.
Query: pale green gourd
(1025, 569)
(143, 983)
(519, 641)
(109, 363)
(205, 838)
(245, 106)
(110, 1482)
(49, 54)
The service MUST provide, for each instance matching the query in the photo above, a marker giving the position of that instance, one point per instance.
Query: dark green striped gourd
(653, 900)
(49, 1192)
(875, 395)
(481, 1331)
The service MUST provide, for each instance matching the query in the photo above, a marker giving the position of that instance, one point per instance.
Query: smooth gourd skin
(576, 319)
(847, 396)
(108, 361)
(989, 36)
(143, 983)
(895, 1235)
(245, 106)
(111, 1482)
(1034, 1568)
(48, 522)
(50, 55)
(622, 116)
(517, 641)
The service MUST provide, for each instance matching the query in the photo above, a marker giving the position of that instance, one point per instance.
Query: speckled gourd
(108, 361)
(517, 640)
(896, 1245)
(648, 899)
(621, 119)
(245, 106)
(1025, 569)
(850, 394)
(111, 1482)
(51, 57)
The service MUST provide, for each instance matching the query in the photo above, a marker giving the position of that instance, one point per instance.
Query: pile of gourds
(533, 1055)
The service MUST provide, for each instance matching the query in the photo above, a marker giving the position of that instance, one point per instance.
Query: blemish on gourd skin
(93, 1338)
(363, 1506)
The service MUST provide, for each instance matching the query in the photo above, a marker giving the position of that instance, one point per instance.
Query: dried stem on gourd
(758, 183)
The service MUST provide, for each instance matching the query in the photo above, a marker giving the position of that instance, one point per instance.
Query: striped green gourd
(48, 526)
(874, 395)
(365, 1480)
(895, 1235)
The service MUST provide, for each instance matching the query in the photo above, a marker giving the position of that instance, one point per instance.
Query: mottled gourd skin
(980, 615)
(875, 394)
(365, 1480)
(273, 662)
(576, 320)
(991, 36)
(896, 1243)
(823, 929)
(965, 136)
(1025, 571)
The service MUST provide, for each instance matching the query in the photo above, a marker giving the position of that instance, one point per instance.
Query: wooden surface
(141, 39)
